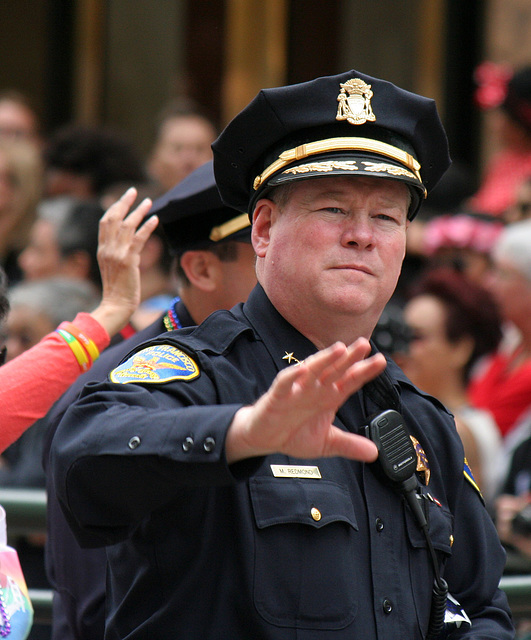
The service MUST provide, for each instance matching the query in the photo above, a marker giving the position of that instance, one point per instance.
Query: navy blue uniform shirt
(78, 575)
(201, 549)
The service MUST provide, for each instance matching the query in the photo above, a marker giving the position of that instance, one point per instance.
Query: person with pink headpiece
(509, 95)
(462, 241)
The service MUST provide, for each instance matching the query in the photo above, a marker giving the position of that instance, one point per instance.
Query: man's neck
(198, 303)
(324, 329)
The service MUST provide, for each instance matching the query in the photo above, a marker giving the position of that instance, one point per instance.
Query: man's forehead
(346, 186)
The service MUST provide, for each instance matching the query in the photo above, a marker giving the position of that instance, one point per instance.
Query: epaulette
(215, 335)
(170, 356)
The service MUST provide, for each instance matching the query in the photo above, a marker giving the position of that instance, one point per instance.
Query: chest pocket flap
(440, 525)
(311, 502)
(305, 541)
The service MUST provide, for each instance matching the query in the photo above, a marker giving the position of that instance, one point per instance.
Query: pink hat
(461, 231)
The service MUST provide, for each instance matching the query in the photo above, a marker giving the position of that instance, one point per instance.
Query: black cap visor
(337, 164)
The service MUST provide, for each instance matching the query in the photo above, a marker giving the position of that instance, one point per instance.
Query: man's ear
(262, 220)
(201, 269)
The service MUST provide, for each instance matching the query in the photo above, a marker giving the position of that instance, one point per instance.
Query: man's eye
(333, 209)
(385, 216)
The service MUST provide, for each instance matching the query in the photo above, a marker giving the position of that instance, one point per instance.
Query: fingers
(295, 416)
(119, 209)
(137, 215)
(349, 445)
(345, 368)
(323, 364)
(283, 384)
(118, 218)
(323, 382)
(144, 231)
(360, 373)
(346, 357)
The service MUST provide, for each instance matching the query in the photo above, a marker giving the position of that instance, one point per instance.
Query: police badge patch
(156, 364)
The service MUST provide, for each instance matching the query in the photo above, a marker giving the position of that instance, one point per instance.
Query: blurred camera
(521, 523)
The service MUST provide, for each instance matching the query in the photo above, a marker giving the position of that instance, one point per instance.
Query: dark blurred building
(117, 62)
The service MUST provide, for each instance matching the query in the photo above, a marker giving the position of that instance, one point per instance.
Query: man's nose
(357, 232)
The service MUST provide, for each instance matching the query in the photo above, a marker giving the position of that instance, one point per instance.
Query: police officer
(215, 270)
(228, 466)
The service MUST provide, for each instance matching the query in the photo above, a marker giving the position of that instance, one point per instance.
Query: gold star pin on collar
(291, 358)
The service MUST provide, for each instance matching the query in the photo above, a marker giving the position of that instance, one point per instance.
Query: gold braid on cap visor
(231, 226)
(339, 144)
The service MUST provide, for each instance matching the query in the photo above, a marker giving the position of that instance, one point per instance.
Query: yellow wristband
(87, 343)
(78, 351)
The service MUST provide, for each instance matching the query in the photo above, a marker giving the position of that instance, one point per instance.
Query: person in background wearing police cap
(227, 466)
(215, 270)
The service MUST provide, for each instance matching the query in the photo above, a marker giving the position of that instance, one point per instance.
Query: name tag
(294, 471)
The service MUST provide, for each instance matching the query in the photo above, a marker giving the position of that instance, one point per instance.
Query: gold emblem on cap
(355, 102)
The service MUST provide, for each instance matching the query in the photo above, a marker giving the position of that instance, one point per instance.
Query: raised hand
(295, 415)
(120, 242)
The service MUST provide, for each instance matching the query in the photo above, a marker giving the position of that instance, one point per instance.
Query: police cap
(192, 214)
(346, 124)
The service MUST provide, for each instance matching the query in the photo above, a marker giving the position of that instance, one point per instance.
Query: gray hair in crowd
(76, 224)
(56, 209)
(514, 245)
(59, 299)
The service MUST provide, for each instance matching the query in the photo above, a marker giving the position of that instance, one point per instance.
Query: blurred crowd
(460, 321)
(54, 190)
(459, 324)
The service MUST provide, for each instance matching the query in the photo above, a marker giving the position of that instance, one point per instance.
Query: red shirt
(505, 392)
(505, 174)
(32, 382)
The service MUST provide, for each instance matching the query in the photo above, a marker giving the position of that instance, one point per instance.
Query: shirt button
(209, 444)
(134, 442)
(316, 514)
(379, 524)
(188, 443)
(387, 606)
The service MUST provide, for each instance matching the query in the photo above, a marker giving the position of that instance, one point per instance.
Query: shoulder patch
(156, 364)
(468, 475)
